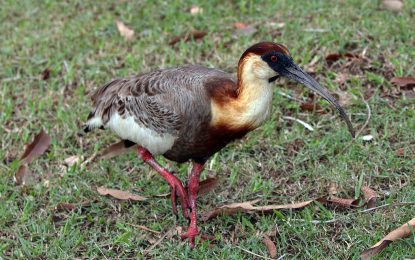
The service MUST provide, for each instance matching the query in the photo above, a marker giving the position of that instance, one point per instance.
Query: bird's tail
(92, 123)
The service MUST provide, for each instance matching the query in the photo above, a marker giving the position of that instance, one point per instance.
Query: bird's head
(268, 61)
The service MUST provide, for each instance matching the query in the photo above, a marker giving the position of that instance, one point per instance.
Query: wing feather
(159, 100)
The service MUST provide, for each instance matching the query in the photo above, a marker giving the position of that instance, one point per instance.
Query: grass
(80, 45)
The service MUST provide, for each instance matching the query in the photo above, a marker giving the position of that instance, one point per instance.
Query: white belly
(128, 129)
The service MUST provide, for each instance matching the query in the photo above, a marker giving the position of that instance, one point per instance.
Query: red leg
(193, 188)
(175, 184)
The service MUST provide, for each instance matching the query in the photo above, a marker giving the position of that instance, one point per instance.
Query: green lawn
(279, 163)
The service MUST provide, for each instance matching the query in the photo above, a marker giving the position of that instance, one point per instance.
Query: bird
(189, 113)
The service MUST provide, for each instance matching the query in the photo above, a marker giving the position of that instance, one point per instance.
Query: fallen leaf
(39, 145)
(196, 10)
(45, 74)
(272, 249)
(64, 206)
(116, 149)
(36, 148)
(311, 107)
(370, 196)
(400, 152)
(248, 207)
(402, 232)
(71, 160)
(23, 174)
(125, 32)
(195, 35)
(207, 186)
(244, 29)
(392, 5)
(119, 194)
(403, 81)
(337, 56)
(239, 25)
(341, 202)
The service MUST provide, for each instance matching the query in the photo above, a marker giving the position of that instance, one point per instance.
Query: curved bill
(296, 73)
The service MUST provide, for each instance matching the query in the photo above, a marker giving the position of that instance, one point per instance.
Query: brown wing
(161, 100)
(142, 97)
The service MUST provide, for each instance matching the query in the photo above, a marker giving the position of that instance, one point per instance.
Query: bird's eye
(273, 58)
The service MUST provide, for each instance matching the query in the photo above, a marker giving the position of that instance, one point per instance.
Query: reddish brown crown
(264, 47)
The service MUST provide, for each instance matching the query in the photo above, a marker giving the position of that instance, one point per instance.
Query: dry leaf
(392, 5)
(195, 35)
(337, 56)
(116, 149)
(207, 186)
(45, 74)
(64, 206)
(240, 26)
(23, 174)
(71, 160)
(311, 107)
(370, 196)
(401, 152)
(344, 203)
(403, 81)
(247, 206)
(244, 29)
(272, 249)
(36, 148)
(39, 145)
(119, 194)
(196, 10)
(401, 232)
(125, 32)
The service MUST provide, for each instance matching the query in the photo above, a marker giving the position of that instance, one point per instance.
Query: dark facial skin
(285, 67)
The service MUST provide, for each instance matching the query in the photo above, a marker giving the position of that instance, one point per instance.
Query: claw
(191, 234)
(178, 190)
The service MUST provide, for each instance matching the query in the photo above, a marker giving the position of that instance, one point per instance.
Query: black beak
(294, 72)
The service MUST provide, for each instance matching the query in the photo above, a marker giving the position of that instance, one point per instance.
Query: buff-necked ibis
(192, 112)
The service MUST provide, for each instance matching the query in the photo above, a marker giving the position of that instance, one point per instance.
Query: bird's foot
(175, 184)
(177, 189)
(192, 233)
